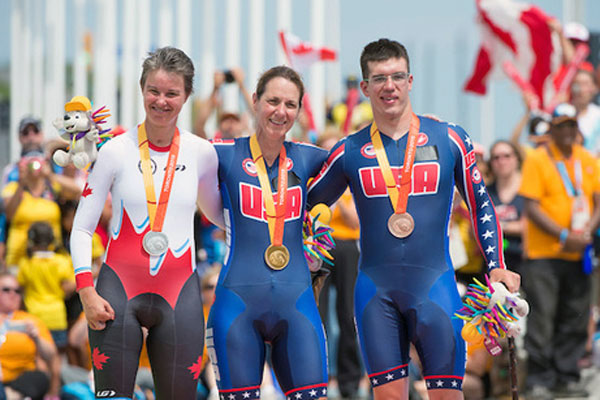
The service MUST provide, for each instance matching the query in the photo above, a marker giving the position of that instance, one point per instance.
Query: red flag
(518, 33)
(302, 54)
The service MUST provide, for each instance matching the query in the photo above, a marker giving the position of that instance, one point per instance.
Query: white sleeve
(209, 196)
(89, 210)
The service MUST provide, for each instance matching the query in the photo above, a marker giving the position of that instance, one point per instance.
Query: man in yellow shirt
(561, 185)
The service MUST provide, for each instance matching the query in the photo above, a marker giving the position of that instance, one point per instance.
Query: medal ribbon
(156, 212)
(398, 197)
(275, 213)
(574, 191)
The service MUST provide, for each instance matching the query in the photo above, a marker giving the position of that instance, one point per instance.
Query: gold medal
(277, 257)
(401, 225)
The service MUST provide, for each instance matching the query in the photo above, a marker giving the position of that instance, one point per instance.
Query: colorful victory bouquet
(317, 244)
(491, 313)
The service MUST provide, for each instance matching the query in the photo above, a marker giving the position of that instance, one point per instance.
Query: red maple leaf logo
(196, 368)
(87, 190)
(99, 359)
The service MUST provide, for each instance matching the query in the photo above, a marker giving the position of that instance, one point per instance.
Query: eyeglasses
(10, 289)
(397, 78)
(208, 287)
(496, 157)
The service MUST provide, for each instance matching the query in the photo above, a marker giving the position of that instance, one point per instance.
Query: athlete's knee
(445, 394)
(395, 390)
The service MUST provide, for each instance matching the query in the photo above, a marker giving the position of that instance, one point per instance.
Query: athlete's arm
(483, 215)
(97, 310)
(330, 182)
(209, 197)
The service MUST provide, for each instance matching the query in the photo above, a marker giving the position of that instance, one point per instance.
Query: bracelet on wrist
(562, 238)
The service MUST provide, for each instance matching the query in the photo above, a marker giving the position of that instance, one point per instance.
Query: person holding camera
(31, 138)
(22, 338)
(33, 197)
(230, 124)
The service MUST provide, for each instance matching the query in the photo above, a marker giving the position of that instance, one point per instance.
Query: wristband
(84, 279)
(562, 238)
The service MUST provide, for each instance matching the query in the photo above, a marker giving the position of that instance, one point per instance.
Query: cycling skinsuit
(254, 304)
(161, 293)
(406, 290)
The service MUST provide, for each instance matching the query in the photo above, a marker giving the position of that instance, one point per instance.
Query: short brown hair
(280, 71)
(173, 60)
(381, 50)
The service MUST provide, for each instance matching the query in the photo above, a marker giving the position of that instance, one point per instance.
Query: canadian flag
(302, 54)
(518, 33)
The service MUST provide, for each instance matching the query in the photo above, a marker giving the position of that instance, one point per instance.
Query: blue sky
(441, 37)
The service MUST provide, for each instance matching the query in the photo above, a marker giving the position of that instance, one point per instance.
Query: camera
(33, 163)
(539, 124)
(229, 78)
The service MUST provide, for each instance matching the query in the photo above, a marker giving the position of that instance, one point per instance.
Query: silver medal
(155, 243)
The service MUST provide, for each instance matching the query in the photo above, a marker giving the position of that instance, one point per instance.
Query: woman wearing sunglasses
(22, 338)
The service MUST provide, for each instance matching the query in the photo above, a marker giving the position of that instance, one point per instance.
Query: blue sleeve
(469, 183)
(225, 150)
(314, 158)
(331, 181)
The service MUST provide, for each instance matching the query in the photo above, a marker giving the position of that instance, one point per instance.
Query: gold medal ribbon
(398, 197)
(156, 212)
(275, 213)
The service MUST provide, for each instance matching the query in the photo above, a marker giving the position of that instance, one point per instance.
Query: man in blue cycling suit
(402, 171)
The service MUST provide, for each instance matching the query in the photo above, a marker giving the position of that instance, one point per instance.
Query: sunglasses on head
(10, 289)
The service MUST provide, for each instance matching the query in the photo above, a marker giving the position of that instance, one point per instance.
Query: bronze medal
(277, 257)
(401, 225)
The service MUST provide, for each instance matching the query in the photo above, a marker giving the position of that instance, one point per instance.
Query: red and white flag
(302, 54)
(518, 33)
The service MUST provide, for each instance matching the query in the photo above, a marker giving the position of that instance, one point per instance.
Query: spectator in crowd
(3, 226)
(208, 285)
(360, 109)
(47, 278)
(344, 222)
(505, 168)
(583, 90)
(575, 34)
(231, 124)
(31, 138)
(33, 197)
(25, 338)
(597, 82)
(562, 192)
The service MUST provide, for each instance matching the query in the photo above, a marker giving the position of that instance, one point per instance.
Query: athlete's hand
(510, 279)
(97, 310)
